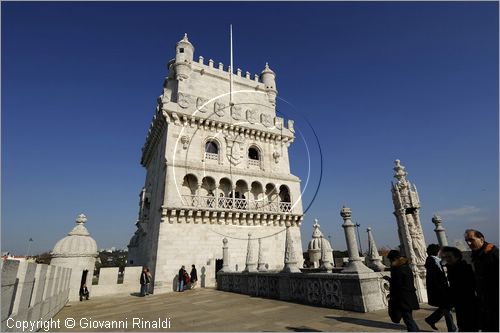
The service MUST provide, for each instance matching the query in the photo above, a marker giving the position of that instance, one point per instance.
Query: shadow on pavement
(369, 323)
(136, 294)
(302, 329)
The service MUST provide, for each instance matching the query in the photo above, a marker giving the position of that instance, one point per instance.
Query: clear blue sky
(416, 81)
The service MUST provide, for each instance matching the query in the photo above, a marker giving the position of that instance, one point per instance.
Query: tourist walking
(462, 289)
(438, 290)
(143, 281)
(180, 279)
(402, 289)
(194, 276)
(485, 261)
(148, 281)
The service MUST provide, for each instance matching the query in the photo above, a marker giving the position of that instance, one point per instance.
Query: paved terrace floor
(213, 310)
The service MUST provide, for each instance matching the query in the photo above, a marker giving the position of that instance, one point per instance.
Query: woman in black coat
(402, 289)
(462, 289)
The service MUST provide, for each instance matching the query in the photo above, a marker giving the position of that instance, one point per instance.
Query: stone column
(225, 257)
(290, 258)
(355, 264)
(250, 265)
(261, 265)
(440, 231)
(374, 258)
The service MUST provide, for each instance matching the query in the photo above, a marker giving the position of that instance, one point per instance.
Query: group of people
(451, 283)
(185, 280)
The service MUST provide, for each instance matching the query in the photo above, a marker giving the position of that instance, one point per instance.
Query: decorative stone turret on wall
(316, 246)
(77, 251)
(411, 236)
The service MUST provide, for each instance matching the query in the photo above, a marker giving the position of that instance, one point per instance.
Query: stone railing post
(440, 231)
(355, 264)
(225, 257)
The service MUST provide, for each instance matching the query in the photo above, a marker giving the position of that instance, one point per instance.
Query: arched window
(253, 153)
(211, 147)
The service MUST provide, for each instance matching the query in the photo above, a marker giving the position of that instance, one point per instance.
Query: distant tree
(43, 258)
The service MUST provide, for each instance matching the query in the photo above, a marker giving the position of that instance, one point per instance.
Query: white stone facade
(217, 166)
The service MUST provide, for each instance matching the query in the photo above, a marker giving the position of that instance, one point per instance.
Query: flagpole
(231, 70)
(29, 245)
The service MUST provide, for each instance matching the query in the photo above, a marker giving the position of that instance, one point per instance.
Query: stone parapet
(32, 292)
(354, 292)
(108, 281)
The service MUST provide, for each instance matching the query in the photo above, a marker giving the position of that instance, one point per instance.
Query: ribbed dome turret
(78, 243)
(316, 241)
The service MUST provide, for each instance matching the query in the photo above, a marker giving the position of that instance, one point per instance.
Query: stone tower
(411, 237)
(216, 167)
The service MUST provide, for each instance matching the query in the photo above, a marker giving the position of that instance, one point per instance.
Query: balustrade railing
(254, 162)
(211, 156)
(235, 203)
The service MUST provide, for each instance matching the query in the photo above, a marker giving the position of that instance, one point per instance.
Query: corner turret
(268, 77)
(184, 52)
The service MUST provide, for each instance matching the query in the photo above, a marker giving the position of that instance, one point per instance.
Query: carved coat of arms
(236, 112)
(219, 109)
(266, 120)
(183, 100)
(252, 116)
(235, 148)
(201, 104)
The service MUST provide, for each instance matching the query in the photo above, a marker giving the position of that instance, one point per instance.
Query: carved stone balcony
(235, 204)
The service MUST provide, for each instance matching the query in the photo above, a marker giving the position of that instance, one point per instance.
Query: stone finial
(250, 265)
(345, 212)
(210, 63)
(326, 264)
(436, 219)
(374, 258)
(81, 219)
(221, 66)
(290, 258)
(400, 171)
(185, 37)
(200, 59)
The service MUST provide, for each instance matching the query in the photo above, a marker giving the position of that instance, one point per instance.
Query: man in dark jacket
(485, 260)
(438, 291)
(402, 289)
(180, 279)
